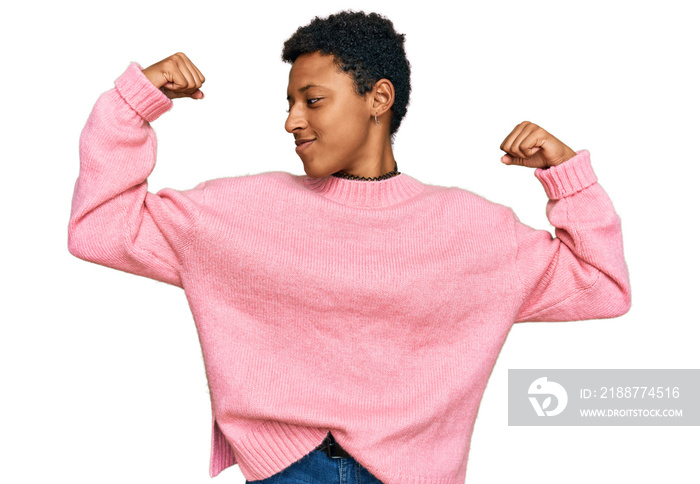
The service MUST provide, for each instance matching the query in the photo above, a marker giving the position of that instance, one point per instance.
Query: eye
(310, 101)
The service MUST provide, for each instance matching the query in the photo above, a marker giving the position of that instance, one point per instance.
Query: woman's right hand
(176, 76)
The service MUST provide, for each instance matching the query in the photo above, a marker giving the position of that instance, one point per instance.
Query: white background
(101, 372)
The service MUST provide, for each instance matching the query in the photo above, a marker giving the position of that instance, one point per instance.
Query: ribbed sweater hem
(274, 446)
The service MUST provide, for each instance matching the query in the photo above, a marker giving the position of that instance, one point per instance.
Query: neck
(375, 166)
(394, 172)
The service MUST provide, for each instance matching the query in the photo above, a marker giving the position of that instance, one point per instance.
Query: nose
(295, 120)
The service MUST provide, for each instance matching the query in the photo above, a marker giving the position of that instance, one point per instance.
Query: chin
(314, 172)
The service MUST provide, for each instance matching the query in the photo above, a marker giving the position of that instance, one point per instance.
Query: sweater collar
(361, 193)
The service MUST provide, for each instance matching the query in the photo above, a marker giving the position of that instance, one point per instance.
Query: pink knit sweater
(374, 310)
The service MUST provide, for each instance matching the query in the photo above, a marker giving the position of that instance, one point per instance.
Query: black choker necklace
(348, 176)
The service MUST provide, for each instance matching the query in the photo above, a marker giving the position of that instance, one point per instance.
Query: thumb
(532, 161)
(512, 160)
(175, 95)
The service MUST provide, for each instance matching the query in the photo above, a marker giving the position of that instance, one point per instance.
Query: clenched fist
(176, 76)
(530, 145)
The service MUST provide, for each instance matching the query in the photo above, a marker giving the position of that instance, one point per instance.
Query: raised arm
(580, 274)
(114, 220)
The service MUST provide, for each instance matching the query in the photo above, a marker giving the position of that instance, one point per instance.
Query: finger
(194, 81)
(534, 141)
(201, 76)
(517, 153)
(196, 94)
(185, 82)
(519, 147)
(508, 142)
(171, 94)
(197, 76)
(177, 73)
(513, 160)
(176, 80)
(184, 66)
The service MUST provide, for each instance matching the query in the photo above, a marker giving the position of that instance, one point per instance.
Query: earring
(375, 119)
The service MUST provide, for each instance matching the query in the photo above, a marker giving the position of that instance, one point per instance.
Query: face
(327, 114)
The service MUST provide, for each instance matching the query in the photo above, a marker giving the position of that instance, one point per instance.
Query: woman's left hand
(530, 145)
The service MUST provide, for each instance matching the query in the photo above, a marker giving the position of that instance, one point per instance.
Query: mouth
(303, 144)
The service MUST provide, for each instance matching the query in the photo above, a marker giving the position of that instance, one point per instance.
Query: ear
(382, 96)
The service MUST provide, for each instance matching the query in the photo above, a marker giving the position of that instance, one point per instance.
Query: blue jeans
(317, 468)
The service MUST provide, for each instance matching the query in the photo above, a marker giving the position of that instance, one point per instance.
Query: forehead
(315, 69)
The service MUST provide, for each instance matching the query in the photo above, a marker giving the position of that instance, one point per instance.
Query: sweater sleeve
(581, 273)
(115, 221)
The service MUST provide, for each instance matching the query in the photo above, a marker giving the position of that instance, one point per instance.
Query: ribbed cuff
(570, 177)
(140, 93)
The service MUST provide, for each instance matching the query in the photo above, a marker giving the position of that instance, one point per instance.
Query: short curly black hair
(364, 45)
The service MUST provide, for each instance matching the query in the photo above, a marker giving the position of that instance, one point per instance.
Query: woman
(350, 318)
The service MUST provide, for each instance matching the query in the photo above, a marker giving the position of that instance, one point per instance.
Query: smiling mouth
(302, 146)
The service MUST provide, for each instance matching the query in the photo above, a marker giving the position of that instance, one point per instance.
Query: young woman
(350, 318)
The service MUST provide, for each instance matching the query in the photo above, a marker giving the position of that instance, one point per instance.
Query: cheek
(348, 127)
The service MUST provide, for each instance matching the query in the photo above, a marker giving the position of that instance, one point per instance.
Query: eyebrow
(305, 88)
